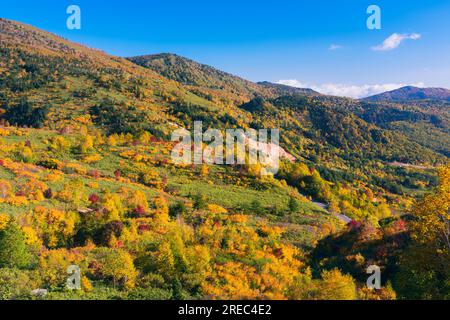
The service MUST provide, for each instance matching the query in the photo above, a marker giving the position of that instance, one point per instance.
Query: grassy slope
(220, 187)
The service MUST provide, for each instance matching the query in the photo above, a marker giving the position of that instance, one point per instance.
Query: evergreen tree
(293, 205)
(13, 250)
(23, 114)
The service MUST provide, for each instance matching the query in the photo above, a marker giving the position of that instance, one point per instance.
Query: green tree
(177, 209)
(23, 114)
(13, 250)
(118, 117)
(293, 205)
(199, 201)
(14, 284)
(256, 208)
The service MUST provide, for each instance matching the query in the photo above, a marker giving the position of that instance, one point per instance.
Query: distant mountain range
(410, 93)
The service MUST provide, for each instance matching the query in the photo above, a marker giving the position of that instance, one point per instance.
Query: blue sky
(288, 41)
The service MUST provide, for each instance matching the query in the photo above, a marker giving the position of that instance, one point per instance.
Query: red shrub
(94, 174)
(93, 198)
(139, 211)
(143, 228)
(354, 225)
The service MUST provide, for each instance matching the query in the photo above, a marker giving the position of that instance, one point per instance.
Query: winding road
(341, 217)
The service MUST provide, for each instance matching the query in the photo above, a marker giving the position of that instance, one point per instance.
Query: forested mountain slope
(411, 93)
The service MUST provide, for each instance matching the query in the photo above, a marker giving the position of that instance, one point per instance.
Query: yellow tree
(336, 286)
(162, 209)
(426, 263)
(53, 265)
(165, 259)
(112, 204)
(86, 144)
(137, 198)
(117, 265)
(4, 220)
(204, 170)
(6, 190)
(433, 213)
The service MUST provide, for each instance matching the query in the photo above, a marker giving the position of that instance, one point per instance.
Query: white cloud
(345, 90)
(393, 41)
(335, 47)
(293, 83)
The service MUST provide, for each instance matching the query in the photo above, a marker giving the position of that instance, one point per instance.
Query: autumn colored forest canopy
(87, 179)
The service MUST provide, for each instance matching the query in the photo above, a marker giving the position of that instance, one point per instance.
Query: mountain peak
(410, 93)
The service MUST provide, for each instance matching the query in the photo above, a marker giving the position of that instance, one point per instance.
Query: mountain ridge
(411, 93)
(199, 75)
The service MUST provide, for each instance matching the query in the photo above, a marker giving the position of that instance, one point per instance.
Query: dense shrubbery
(118, 117)
(23, 114)
(307, 181)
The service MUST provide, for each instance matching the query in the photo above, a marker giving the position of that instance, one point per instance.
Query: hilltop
(411, 93)
(281, 89)
(191, 73)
